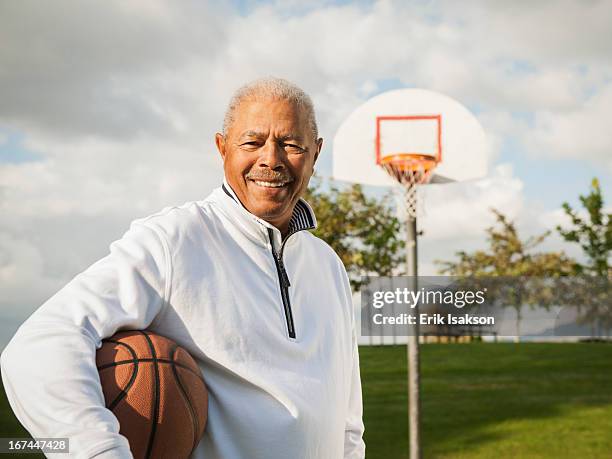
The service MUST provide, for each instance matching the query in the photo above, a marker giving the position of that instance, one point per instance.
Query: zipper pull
(284, 276)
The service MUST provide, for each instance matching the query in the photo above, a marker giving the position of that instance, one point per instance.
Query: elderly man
(261, 304)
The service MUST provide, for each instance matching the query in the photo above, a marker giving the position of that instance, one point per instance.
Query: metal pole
(414, 405)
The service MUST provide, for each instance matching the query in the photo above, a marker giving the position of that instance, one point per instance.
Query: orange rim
(409, 162)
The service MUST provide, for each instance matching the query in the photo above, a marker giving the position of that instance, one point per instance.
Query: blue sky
(12, 149)
(99, 128)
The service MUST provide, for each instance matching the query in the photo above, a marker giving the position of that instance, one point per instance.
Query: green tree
(594, 235)
(509, 256)
(362, 230)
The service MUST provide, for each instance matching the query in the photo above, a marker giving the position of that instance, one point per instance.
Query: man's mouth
(269, 184)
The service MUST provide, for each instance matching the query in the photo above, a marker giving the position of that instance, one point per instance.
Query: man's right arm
(48, 368)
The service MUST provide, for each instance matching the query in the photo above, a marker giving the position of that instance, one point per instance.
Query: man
(261, 304)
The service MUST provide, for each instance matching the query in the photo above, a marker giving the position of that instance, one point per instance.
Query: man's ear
(220, 142)
(319, 146)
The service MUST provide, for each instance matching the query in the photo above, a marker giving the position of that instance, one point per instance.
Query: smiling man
(269, 147)
(261, 304)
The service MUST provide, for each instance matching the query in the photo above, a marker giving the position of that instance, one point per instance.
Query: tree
(594, 235)
(363, 231)
(509, 256)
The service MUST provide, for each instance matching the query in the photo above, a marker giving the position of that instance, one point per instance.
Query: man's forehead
(260, 133)
(256, 117)
(269, 105)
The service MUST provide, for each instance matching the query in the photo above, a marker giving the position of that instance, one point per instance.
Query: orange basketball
(156, 391)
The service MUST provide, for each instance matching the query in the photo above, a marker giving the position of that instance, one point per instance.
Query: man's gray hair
(274, 88)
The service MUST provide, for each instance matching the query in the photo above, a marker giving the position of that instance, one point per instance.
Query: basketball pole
(414, 404)
(404, 132)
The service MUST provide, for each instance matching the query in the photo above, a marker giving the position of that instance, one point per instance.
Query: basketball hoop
(410, 170)
(399, 137)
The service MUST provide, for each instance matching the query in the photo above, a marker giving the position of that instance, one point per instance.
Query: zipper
(283, 279)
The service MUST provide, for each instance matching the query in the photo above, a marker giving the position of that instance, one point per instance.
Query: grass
(492, 400)
(480, 401)
(10, 427)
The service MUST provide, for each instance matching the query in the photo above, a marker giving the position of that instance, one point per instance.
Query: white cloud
(122, 100)
(582, 132)
(99, 69)
(22, 276)
(548, 32)
(463, 210)
(453, 217)
(95, 178)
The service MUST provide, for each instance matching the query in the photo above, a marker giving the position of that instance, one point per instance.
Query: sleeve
(48, 368)
(354, 446)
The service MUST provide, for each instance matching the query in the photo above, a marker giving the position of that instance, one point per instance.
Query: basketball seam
(156, 401)
(194, 419)
(124, 390)
(106, 366)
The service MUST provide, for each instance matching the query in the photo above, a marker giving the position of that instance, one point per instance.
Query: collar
(303, 217)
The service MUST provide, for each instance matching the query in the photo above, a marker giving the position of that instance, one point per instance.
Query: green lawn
(481, 401)
(493, 400)
(10, 427)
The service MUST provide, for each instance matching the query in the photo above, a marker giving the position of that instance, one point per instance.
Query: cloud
(89, 68)
(463, 210)
(167, 69)
(454, 216)
(121, 101)
(95, 178)
(546, 32)
(571, 134)
(21, 274)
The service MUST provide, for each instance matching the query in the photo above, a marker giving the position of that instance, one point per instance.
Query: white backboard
(410, 121)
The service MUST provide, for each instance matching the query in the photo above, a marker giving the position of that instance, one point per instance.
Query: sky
(108, 111)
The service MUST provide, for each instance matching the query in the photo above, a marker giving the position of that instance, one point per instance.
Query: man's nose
(272, 155)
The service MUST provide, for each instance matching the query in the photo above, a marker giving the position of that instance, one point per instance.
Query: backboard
(410, 122)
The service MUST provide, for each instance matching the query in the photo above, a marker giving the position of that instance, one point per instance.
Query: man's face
(268, 157)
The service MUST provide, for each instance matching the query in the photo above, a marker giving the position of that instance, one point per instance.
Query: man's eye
(293, 147)
(251, 143)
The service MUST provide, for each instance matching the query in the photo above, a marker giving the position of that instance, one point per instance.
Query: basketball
(156, 391)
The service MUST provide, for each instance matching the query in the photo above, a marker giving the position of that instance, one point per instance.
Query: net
(410, 170)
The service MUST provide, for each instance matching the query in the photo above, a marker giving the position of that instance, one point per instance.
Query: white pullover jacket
(270, 323)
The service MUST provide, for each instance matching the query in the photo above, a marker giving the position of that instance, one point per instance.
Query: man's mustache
(269, 176)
